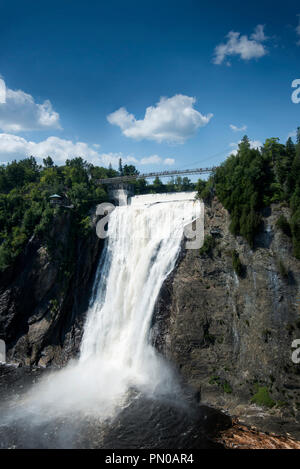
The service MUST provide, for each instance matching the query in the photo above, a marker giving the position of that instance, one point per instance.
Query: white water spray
(116, 354)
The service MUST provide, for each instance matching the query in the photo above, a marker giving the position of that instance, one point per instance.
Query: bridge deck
(118, 179)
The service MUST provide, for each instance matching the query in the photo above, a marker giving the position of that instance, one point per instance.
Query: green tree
(120, 167)
(157, 185)
(48, 162)
(130, 170)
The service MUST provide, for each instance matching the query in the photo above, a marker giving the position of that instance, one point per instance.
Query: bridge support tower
(120, 192)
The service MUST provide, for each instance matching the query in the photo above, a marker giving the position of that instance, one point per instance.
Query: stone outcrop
(231, 336)
(241, 437)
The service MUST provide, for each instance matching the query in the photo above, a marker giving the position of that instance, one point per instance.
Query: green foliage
(262, 397)
(227, 388)
(295, 228)
(251, 180)
(25, 188)
(208, 246)
(130, 170)
(214, 380)
(284, 225)
(25, 210)
(177, 184)
(157, 185)
(6, 255)
(204, 189)
(223, 384)
(85, 226)
(48, 162)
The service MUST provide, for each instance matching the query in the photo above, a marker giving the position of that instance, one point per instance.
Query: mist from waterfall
(144, 240)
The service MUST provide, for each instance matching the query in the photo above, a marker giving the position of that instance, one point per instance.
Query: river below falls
(143, 423)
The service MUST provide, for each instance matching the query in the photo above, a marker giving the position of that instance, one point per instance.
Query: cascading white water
(143, 244)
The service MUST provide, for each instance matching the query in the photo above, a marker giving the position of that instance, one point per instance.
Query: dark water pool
(145, 422)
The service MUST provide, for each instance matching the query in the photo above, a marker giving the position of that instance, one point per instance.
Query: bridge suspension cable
(120, 179)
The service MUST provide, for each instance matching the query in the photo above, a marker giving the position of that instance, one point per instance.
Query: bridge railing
(133, 177)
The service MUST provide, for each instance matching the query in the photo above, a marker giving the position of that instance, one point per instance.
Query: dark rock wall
(229, 335)
(43, 301)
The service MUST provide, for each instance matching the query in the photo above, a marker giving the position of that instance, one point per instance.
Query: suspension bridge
(160, 174)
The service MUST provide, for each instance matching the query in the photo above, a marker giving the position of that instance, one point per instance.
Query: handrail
(133, 177)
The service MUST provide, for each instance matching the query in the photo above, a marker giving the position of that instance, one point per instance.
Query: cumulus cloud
(113, 159)
(2, 91)
(238, 129)
(259, 34)
(169, 161)
(16, 147)
(155, 159)
(19, 112)
(246, 48)
(253, 144)
(170, 120)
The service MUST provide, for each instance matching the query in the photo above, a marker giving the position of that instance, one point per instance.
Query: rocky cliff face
(231, 336)
(43, 297)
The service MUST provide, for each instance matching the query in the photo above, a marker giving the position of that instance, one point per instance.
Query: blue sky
(158, 83)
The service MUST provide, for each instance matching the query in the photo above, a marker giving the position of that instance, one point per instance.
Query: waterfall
(144, 240)
(142, 248)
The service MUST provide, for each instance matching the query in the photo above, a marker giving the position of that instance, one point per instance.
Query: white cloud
(292, 134)
(259, 34)
(20, 113)
(155, 159)
(169, 161)
(2, 91)
(253, 144)
(238, 129)
(113, 159)
(16, 147)
(172, 120)
(246, 48)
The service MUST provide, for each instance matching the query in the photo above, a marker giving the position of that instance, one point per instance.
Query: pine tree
(48, 162)
(295, 169)
(298, 142)
(290, 150)
(120, 167)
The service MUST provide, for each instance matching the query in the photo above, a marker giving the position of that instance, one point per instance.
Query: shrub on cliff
(208, 246)
(262, 397)
(284, 225)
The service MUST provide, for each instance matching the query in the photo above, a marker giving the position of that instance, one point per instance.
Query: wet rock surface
(231, 336)
(242, 437)
(44, 296)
